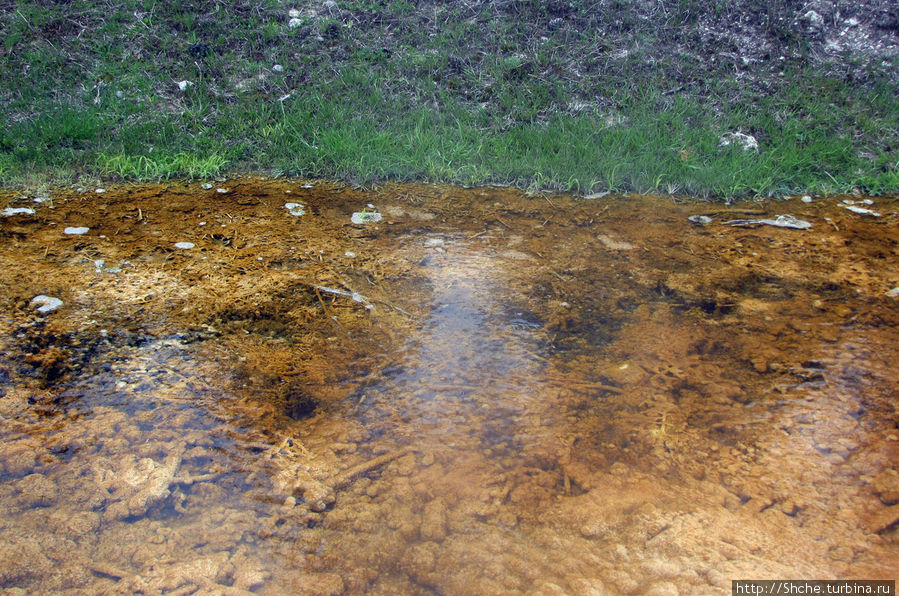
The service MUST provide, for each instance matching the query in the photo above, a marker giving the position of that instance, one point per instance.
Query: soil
(483, 391)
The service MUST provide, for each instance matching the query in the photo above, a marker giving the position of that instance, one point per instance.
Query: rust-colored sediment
(485, 392)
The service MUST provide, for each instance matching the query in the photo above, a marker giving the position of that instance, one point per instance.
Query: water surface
(484, 392)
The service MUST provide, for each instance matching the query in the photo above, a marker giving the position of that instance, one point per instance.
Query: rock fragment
(11, 211)
(45, 304)
(781, 221)
(364, 217)
(743, 140)
(295, 209)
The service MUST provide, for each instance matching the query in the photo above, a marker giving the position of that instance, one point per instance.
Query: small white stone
(278, 68)
(745, 141)
(183, 85)
(861, 210)
(364, 217)
(350, 254)
(295, 209)
(76, 231)
(119, 94)
(294, 23)
(184, 245)
(100, 191)
(258, 258)
(894, 293)
(308, 185)
(45, 304)
(806, 199)
(221, 191)
(43, 200)
(288, 192)
(10, 211)
(205, 186)
(202, 223)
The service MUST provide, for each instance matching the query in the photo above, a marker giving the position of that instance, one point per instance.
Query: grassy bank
(395, 90)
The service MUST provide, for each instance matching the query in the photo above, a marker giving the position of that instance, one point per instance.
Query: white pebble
(45, 304)
(364, 217)
(221, 190)
(10, 211)
(205, 186)
(278, 68)
(76, 231)
(806, 199)
(100, 191)
(295, 209)
(184, 245)
(350, 254)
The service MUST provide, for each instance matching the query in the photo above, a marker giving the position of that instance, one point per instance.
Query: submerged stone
(184, 245)
(45, 304)
(364, 217)
(295, 209)
(76, 231)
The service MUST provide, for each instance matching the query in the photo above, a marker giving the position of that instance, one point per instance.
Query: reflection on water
(471, 367)
(481, 393)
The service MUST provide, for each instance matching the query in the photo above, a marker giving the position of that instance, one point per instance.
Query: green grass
(388, 94)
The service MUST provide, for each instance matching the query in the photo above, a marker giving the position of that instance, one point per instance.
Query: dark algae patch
(475, 390)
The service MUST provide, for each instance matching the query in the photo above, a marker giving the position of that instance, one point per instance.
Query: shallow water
(485, 392)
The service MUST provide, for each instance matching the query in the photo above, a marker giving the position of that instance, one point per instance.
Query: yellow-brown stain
(484, 392)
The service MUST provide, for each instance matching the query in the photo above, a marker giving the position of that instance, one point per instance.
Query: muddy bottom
(470, 391)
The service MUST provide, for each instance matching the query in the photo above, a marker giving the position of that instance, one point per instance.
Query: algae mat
(470, 391)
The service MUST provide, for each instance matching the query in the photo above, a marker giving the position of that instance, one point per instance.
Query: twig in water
(346, 477)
